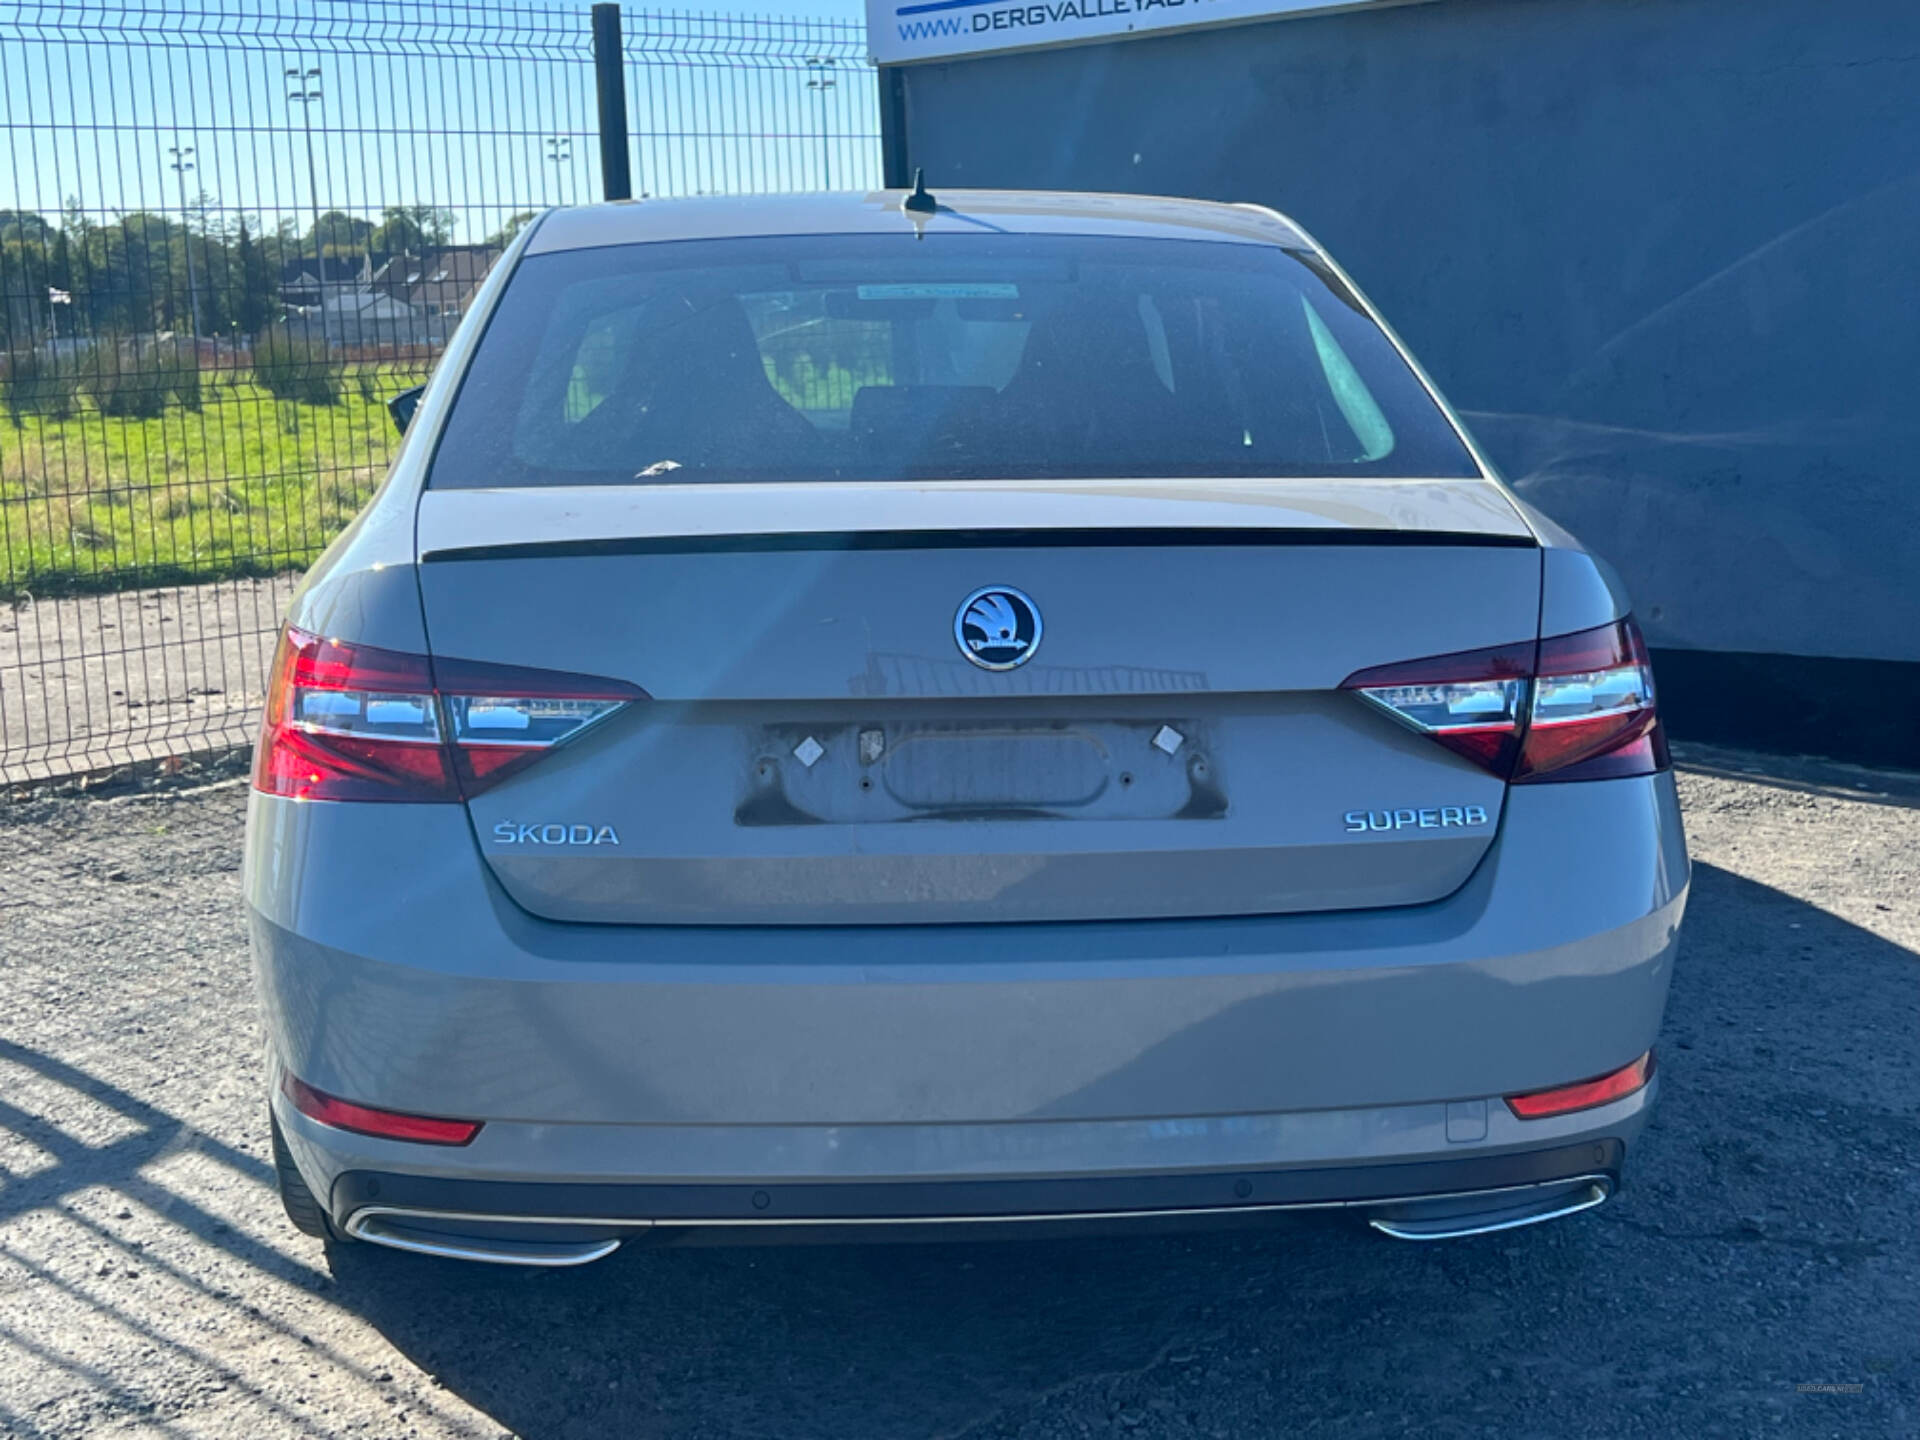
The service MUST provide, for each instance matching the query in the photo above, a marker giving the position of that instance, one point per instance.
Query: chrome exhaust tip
(388, 1226)
(1469, 1215)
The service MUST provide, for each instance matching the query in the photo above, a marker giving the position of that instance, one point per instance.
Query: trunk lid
(818, 749)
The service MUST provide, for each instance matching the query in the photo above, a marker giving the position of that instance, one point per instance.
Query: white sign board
(905, 30)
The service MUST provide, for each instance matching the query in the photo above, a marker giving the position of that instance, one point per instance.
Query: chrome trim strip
(1599, 1187)
(1163, 1212)
(308, 727)
(1597, 1193)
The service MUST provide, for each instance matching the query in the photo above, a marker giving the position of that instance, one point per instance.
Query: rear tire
(306, 1212)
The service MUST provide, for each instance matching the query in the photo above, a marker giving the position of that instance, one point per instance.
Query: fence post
(895, 172)
(616, 179)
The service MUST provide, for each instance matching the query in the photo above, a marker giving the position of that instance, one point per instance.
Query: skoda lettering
(509, 832)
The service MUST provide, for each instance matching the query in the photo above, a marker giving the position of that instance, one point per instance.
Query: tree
(23, 292)
(205, 278)
(79, 234)
(144, 295)
(412, 229)
(254, 305)
(338, 233)
(24, 226)
(60, 272)
(503, 237)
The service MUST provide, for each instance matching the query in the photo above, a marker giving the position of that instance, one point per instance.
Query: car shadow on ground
(1768, 1239)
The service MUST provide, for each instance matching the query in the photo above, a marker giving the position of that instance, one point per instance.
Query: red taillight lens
(1473, 702)
(1574, 707)
(1593, 716)
(1563, 1099)
(504, 717)
(353, 722)
(350, 722)
(365, 1120)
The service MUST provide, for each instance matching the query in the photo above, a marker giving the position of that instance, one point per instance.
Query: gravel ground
(1767, 1242)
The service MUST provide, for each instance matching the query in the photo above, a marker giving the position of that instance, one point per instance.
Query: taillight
(1574, 707)
(1593, 716)
(353, 722)
(350, 722)
(501, 718)
(1472, 702)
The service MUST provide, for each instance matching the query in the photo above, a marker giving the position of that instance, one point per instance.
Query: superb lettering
(1430, 817)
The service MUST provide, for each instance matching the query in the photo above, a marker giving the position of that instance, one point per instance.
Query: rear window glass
(948, 357)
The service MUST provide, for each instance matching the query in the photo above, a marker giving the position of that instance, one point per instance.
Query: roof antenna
(919, 202)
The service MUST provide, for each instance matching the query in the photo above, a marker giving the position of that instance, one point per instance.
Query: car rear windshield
(946, 357)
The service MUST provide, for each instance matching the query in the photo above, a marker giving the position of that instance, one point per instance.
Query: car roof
(877, 212)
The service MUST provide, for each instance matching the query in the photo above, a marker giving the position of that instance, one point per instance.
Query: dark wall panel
(1665, 253)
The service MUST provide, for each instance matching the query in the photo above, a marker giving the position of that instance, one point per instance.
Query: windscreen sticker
(948, 290)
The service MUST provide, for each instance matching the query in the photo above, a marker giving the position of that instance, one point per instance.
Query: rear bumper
(961, 1201)
(813, 1065)
(536, 1223)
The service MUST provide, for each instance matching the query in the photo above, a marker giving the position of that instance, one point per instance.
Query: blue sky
(850, 10)
(483, 109)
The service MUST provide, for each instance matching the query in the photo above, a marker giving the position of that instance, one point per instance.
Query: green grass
(807, 384)
(246, 485)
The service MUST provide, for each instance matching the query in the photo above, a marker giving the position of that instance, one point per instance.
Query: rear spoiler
(1022, 539)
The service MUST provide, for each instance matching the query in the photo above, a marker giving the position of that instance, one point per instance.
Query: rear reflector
(1573, 707)
(352, 722)
(1563, 1099)
(365, 1120)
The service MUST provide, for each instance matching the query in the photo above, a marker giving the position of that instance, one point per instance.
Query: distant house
(439, 284)
(336, 298)
(366, 317)
(307, 282)
(371, 299)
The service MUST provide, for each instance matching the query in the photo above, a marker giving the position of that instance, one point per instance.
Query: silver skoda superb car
(1012, 710)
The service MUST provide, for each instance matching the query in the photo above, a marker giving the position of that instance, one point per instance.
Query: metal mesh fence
(229, 233)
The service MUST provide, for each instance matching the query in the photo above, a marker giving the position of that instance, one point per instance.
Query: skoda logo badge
(997, 628)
